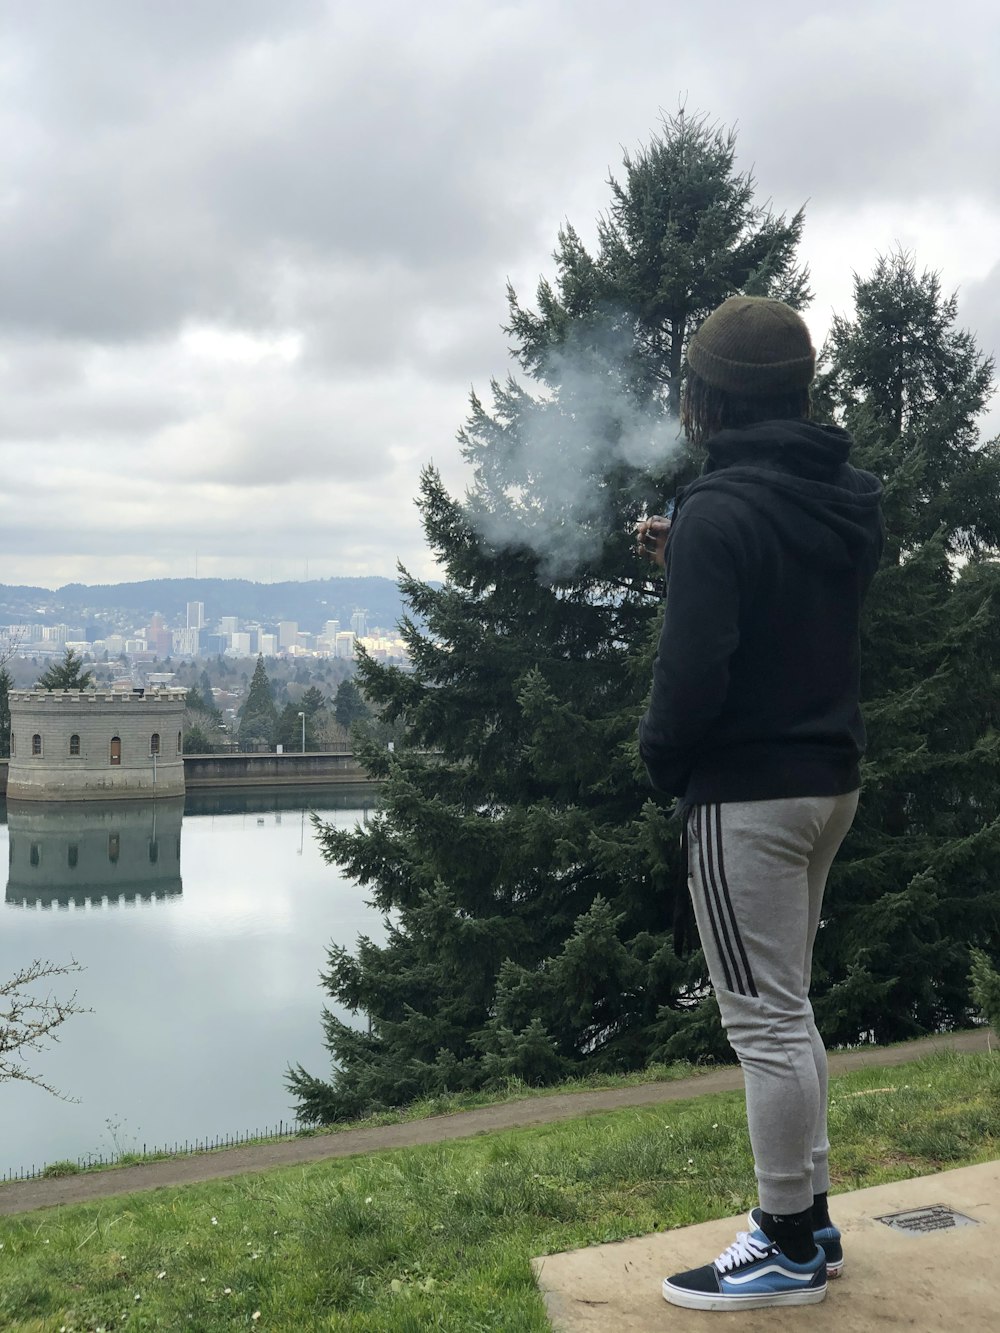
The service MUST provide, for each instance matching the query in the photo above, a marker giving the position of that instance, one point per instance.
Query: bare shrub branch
(28, 1021)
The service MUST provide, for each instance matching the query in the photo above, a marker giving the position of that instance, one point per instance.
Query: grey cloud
(257, 536)
(55, 419)
(77, 41)
(195, 201)
(979, 310)
(388, 315)
(365, 177)
(869, 103)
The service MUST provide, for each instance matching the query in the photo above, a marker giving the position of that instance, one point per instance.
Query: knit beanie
(753, 346)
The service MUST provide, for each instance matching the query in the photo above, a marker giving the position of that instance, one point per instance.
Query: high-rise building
(239, 644)
(229, 624)
(269, 645)
(158, 638)
(287, 633)
(186, 642)
(344, 644)
(359, 624)
(196, 615)
(331, 629)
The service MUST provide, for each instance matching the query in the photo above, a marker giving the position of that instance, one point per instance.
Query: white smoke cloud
(553, 481)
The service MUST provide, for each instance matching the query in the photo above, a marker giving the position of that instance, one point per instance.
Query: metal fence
(117, 1157)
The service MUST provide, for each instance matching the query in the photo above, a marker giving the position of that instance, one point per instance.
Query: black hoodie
(756, 682)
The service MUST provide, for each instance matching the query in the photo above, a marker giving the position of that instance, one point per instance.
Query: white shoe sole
(703, 1300)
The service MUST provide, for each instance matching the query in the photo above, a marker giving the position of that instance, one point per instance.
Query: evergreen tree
(289, 730)
(65, 675)
(313, 700)
(6, 685)
(529, 871)
(289, 733)
(198, 739)
(985, 982)
(916, 884)
(258, 716)
(203, 723)
(349, 705)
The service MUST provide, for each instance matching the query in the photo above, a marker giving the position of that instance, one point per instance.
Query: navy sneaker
(828, 1239)
(751, 1274)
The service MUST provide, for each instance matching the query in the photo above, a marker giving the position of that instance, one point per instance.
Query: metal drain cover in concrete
(921, 1221)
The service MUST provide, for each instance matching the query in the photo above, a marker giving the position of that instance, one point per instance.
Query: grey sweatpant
(757, 871)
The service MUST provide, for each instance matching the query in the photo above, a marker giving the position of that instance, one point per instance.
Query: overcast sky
(253, 252)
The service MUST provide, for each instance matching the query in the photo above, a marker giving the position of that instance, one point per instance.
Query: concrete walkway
(939, 1274)
(24, 1196)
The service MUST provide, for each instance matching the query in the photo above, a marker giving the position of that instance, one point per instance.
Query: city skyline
(227, 635)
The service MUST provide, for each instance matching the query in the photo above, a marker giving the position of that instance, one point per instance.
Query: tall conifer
(527, 869)
(259, 716)
(918, 880)
(66, 674)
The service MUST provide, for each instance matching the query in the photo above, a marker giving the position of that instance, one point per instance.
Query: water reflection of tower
(74, 855)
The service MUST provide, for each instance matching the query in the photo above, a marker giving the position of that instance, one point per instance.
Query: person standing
(754, 723)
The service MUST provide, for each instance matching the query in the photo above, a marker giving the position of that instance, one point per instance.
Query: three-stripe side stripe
(718, 901)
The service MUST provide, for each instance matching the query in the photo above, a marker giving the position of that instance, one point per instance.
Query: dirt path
(23, 1196)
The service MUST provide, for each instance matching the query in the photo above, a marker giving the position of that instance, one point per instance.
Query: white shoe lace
(745, 1250)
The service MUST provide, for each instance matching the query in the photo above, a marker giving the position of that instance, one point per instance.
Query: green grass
(440, 1237)
(449, 1103)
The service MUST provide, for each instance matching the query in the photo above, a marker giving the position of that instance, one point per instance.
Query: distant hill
(309, 604)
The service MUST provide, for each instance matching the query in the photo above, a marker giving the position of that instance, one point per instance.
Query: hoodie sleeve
(699, 636)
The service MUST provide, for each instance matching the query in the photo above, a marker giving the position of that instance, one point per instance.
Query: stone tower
(73, 745)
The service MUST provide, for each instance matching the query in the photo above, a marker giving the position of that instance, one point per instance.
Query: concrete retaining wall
(203, 772)
(269, 770)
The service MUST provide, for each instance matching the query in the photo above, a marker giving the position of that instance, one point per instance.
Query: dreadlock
(705, 410)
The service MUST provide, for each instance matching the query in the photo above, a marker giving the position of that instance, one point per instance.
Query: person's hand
(651, 538)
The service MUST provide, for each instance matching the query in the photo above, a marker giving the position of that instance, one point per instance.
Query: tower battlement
(87, 698)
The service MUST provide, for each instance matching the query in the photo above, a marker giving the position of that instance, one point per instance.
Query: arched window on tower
(36, 744)
(180, 743)
(116, 749)
(154, 743)
(74, 744)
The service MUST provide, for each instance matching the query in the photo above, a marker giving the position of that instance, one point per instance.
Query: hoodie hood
(795, 474)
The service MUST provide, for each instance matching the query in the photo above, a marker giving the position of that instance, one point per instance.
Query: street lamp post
(303, 717)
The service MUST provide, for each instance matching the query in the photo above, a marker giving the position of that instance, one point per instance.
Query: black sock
(793, 1232)
(820, 1212)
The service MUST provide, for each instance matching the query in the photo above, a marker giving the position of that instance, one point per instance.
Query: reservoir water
(201, 925)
